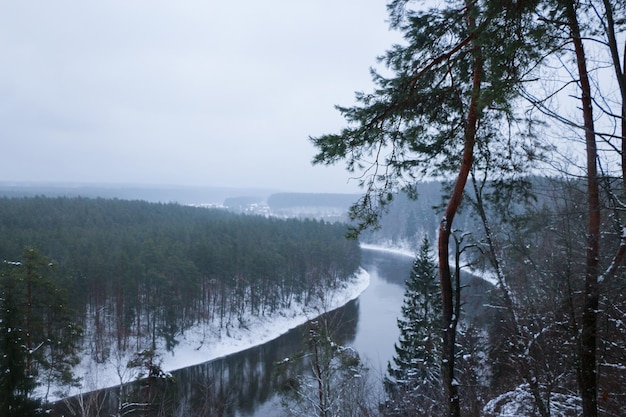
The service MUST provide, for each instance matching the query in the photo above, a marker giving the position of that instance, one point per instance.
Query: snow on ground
(194, 348)
(488, 276)
(398, 250)
(199, 345)
(521, 403)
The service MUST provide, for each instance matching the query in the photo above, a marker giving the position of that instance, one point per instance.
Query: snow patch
(521, 403)
(197, 345)
(488, 276)
(398, 250)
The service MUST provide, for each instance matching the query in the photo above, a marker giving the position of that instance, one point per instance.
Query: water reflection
(395, 269)
(234, 385)
(390, 267)
(244, 384)
(245, 380)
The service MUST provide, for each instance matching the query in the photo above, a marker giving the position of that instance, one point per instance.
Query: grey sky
(186, 92)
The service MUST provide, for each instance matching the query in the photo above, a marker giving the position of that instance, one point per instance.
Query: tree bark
(449, 313)
(587, 379)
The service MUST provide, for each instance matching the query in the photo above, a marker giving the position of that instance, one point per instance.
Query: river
(242, 384)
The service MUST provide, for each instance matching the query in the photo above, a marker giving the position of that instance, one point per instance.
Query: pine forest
(137, 274)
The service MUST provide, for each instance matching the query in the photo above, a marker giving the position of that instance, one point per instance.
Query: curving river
(242, 384)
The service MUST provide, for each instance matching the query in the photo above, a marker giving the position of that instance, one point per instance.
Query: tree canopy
(472, 97)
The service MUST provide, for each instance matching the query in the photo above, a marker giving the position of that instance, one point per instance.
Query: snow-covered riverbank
(391, 249)
(487, 276)
(199, 345)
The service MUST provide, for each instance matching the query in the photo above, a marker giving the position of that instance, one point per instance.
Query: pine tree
(15, 383)
(38, 340)
(413, 381)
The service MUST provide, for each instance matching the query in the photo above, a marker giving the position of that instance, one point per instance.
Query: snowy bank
(488, 276)
(199, 345)
(404, 251)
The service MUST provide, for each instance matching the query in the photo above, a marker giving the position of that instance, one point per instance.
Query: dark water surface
(243, 384)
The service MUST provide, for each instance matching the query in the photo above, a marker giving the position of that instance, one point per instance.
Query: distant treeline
(137, 271)
(192, 195)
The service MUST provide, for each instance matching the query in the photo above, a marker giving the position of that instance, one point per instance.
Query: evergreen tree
(38, 340)
(442, 112)
(15, 383)
(413, 381)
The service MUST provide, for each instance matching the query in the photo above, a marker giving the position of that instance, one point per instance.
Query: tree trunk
(449, 314)
(587, 380)
(524, 362)
(620, 75)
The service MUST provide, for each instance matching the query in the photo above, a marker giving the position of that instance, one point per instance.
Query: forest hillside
(138, 274)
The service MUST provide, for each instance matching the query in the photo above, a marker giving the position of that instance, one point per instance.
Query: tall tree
(415, 373)
(593, 26)
(587, 380)
(453, 83)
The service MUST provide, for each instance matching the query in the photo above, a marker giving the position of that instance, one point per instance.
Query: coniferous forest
(136, 274)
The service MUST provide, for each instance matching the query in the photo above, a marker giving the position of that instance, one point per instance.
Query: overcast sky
(184, 92)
